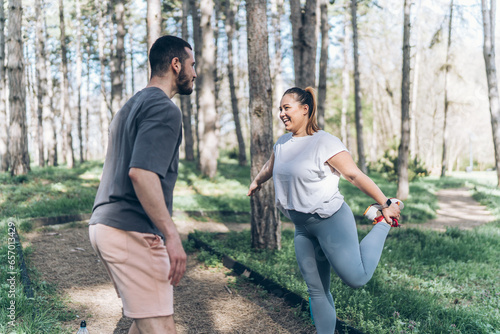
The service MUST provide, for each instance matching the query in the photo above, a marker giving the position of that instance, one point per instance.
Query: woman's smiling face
(294, 115)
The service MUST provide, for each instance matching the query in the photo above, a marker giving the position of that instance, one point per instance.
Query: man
(131, 228)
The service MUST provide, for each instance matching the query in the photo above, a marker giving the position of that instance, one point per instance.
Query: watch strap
(387, 204)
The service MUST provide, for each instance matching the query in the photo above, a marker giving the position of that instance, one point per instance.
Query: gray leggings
(333, 241)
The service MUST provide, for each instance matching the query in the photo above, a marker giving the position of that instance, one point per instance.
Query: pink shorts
(138, 265)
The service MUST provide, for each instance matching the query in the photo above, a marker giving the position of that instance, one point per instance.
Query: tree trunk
(323, 63)
(79, 76)
(198, 44)
(277, 10)
(358, 113)
(154, 23)
(344, 126)
(132, 67)
(265, 222)
(186, 106)
(4, 161)
(444, 159)
(217, 13)
(403, 185)
(52, 154)
(414, 147)
(118, 57)
(491, 75)
(41, 79)
(209, 141)
(87, 104)
(67, 119)
(18, 138)
(305, 39)
(101, 41)
(231, 8)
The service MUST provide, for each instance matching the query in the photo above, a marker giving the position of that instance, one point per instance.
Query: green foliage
(388, 166)
(209, 259)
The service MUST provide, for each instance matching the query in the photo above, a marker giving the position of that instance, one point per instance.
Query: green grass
(43, 313)
(50, 191)
(225, 192)
(429, 281)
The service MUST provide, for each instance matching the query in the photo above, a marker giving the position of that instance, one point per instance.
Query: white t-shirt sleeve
(329, 146)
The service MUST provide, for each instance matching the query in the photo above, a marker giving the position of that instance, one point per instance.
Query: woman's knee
(356, 281)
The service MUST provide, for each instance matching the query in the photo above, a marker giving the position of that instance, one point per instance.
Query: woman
(306, 165)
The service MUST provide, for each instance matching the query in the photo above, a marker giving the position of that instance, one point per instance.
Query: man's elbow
(134, 174)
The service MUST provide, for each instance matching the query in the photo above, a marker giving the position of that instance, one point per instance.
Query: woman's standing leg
(315, 270)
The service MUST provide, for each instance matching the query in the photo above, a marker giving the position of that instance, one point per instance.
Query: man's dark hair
(164, 50)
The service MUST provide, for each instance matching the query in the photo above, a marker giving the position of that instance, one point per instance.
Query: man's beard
(184, 83)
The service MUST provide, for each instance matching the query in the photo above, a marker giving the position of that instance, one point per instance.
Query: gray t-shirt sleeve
(158, 131)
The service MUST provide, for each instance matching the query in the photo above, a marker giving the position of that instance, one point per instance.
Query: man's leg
(158, 325)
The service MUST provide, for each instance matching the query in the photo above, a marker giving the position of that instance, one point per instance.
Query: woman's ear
(306, 109)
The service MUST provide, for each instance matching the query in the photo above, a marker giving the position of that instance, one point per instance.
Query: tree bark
(18, 138)
(4, 130)
(132, 66)
(491, 75)
(101, 41)
(358, 112)
(277, 10)
(52, 154)
(198, 44)
(41, 79)
(209, 141)
(305, 39)
(154, 23)
(404, 147)
(265, 222)
(118, 56)
(444, 158)
(414, 147)
(323, 63)
(87, 104)
(186, 106)
(79, 77)
(67, 119)
(344, 126)
(231, 7)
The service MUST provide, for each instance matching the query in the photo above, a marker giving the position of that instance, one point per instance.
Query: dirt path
(208, 300)
(456, 209)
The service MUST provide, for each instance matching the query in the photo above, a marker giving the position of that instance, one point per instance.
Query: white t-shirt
(303, 180)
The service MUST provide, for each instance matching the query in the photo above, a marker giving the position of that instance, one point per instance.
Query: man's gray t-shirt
(146, 133)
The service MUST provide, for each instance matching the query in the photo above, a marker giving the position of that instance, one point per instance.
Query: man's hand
(148, 189)
(177, 257)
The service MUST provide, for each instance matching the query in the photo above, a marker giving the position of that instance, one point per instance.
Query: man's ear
(176, 65)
